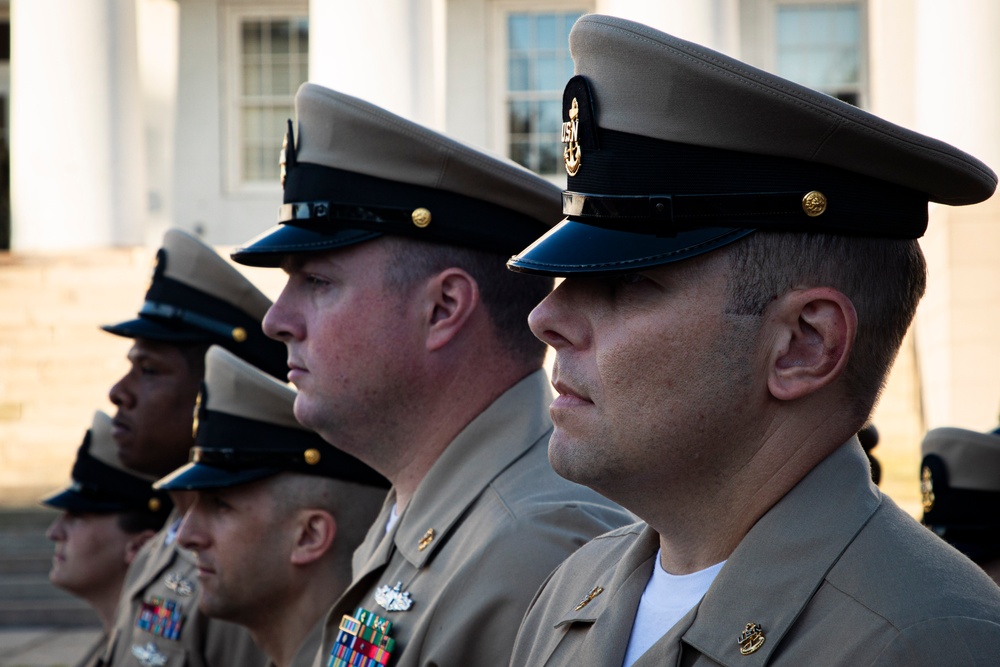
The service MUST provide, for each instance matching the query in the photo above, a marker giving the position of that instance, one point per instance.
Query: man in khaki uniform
(277, 511)
(960, 490)
(195, 299)
(741, 265)
(407, 342)
(107, 514)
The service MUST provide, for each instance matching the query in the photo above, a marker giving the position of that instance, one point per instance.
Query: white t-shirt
(664, 602)
(172, 531)
(393, 518)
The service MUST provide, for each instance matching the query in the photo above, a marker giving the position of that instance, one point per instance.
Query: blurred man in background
(108, 513)
(195, 299)
(277, 512)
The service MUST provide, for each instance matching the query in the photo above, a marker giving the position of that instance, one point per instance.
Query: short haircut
(507, 297)
(137, 521)
(354, 506)
(883, 278)
(194, 355)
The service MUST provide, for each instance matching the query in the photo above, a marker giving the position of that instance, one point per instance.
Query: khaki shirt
(486, 525)
(834, 574)
(93, 656)
(158, 623)
(307, 649)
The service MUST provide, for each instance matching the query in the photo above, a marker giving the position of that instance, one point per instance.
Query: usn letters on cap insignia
(286, 159)
(927, 489)
(572, 155)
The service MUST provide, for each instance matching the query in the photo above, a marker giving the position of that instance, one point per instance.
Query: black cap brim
(198, 476)
(72, 501)
(144, 327)
(574, 248)
(268, 249)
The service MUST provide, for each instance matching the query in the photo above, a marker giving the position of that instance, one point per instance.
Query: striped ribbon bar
(363, 641)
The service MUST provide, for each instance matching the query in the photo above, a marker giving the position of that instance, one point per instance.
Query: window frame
(759, 37)
(232, 115)
(500, 11)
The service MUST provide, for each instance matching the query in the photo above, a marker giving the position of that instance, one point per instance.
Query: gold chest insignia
(594, 592)
(572, 155)
(751, 639)
(393, 599)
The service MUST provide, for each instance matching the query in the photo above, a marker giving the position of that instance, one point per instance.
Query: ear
(314, 536)
(135, 543)
(814, 339)
(452, 296)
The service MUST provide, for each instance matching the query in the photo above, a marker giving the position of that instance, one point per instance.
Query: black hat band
(684, 186)
(327, 199)
(107, 481)
(149, 500)
(636, 183)
(266, 445)
(171, 301)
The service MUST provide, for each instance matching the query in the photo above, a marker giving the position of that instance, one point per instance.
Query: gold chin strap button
(421, 217)
(751, 639)
(814, 203)
(154, 505)
(311, 456)
(239, 334)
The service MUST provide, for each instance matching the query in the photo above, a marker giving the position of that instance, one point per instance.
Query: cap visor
(572, 248)
(269, 248)
(195, 476)
(71, 501)
(143, 327)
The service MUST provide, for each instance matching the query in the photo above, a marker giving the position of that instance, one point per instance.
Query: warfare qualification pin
(393, 599)
(149, 655)
(179, 584)
(751, 639)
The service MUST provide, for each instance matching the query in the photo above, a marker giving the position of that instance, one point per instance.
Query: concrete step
(67, 613)
(13, 564)
(29, 587)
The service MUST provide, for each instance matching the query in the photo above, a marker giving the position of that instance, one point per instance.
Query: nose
(120, 393)
(281, 321)
(57, 529)
(191, 534)
(558, 320)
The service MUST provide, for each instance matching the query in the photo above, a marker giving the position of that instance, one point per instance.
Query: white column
(957, 100)
(157, 23)
(76, 144)
(389, 52)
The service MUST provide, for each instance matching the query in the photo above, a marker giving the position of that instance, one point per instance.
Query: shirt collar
(486, 446)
